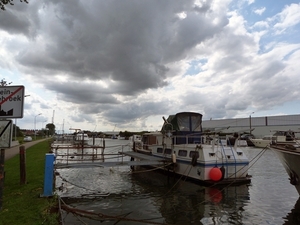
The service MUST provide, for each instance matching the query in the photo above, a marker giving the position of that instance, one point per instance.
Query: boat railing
(232, 149)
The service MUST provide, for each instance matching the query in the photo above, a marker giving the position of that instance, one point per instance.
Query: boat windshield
(185, 121)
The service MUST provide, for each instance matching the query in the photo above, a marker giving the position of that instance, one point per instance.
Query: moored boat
(247, 137)
(262, 142)
(81, 138)
(284, 137)
(289, 155)
(201, 157)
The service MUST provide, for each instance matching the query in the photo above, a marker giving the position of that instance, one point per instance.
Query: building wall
(262, 125)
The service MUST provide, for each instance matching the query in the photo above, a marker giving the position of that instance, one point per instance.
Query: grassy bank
(22, 204)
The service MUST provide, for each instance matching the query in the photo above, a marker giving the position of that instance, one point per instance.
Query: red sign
(11, 101)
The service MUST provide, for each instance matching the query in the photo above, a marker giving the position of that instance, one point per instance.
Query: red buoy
(215, 174)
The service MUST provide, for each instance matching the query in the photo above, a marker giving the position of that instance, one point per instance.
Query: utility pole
(250, 122)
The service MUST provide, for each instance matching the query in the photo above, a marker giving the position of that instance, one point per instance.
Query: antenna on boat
(165, 119)
(168, 131)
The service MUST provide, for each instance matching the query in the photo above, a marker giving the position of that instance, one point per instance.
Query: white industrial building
(262, 125)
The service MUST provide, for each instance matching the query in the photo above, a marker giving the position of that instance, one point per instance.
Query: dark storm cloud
(14, 24)
(81, 93)
(129, 42)
(132, 111)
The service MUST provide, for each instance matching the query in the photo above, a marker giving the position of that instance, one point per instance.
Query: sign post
(11, 102)
(11, 106)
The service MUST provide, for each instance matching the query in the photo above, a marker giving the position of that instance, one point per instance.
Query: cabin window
(192, 153)
(168, 151)
(182, 153)
(159, 150)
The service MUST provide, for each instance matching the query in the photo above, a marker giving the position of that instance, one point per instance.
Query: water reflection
(293, 217)
(188, 203)
(158, 198)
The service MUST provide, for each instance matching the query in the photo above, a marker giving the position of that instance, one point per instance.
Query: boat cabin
(185, 127)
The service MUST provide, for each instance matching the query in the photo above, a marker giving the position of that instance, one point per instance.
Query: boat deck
(141, 156)
(292, 148)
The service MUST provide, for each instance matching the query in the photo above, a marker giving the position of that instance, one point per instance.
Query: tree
(51, 128)
(3, 82)
(19, 132)
(5, 2)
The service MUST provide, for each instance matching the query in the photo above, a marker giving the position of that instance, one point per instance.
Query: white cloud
(290, 16)
(260, 11)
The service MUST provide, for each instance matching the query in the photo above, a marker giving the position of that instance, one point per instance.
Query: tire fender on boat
(223, 172)
(294, 179)
(174, 157)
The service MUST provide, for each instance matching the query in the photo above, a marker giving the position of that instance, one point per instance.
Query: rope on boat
(76, 185)
(103, 217)
(259, 155)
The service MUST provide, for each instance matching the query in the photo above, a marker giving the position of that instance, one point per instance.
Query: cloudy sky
(122, 65)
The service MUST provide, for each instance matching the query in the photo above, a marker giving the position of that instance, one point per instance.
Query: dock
(144, 160)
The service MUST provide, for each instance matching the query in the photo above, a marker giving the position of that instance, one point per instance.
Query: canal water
(149, 197)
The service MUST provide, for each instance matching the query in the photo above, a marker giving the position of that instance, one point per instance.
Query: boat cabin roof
(184, 121)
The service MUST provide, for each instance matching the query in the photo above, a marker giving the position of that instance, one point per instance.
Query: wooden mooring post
(22, 152)
(2, 158)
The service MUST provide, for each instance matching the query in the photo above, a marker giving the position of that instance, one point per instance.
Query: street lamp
(250, 121)
(34, 125)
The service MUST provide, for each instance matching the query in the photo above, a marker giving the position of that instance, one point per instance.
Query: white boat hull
(290, 160)
(233, 163)
(260, 143)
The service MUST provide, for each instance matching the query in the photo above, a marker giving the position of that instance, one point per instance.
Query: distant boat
(81, 138)
(121, 138)
(193, 154)
(285, 137)
(247, 137)
(135, 138)
(262, 142)
(230, 140)
(114, 136)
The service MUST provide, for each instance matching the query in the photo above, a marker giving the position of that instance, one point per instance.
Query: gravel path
(11, 152)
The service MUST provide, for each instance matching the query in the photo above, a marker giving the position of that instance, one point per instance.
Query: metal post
(15, 129)
(35, 126)
(22, 153)
(49, 175)
(103, 146)
(250, 122)
(2, 157)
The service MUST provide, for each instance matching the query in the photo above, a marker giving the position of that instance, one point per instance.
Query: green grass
(22, 204)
